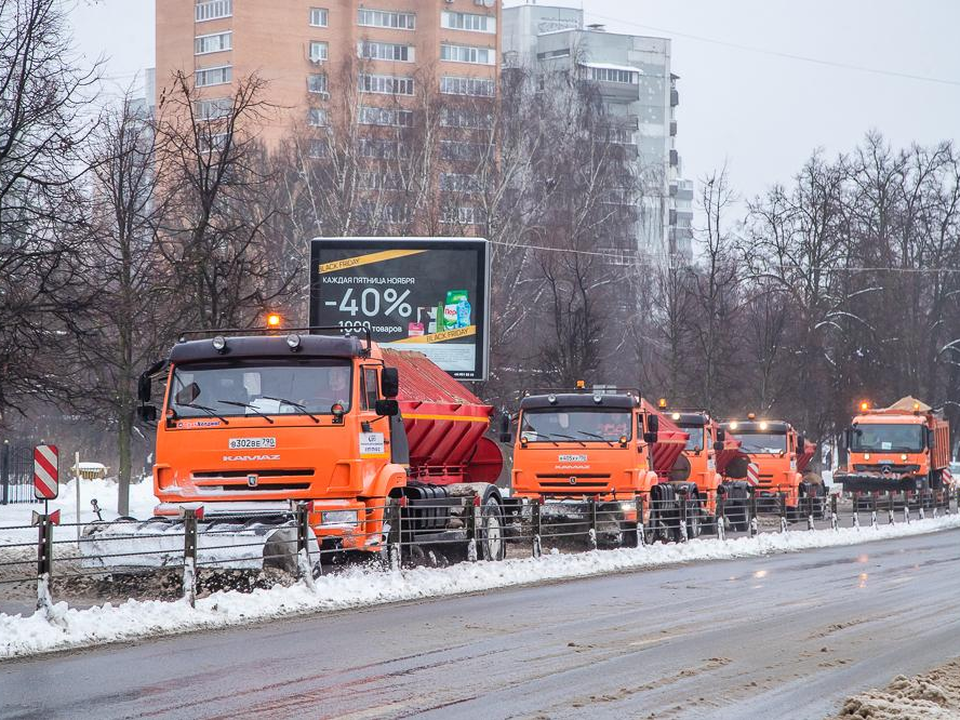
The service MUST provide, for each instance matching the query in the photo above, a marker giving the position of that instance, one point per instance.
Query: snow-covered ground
(142, 503)
(358, 587)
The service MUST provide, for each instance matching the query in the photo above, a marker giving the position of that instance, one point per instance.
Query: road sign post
(46, 472)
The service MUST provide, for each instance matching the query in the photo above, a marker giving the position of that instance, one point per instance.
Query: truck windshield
(881, 438)
(575, 425)
(695, 441)
(259, 387)
(762, 443)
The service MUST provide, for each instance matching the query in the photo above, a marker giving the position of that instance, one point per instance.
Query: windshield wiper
(249, 407)
(566, 437)
(598, 437)
(209, 410)
(299, 406)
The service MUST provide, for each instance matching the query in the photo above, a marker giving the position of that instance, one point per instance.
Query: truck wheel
(694, 526)
(492, 540)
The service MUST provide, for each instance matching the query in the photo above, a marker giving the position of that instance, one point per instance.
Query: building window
(466, 118)
(213, 109)
(467, 54)
(551, 54)
(614, 75)
(379, 181)
(214, 76)
(468, 21)
(460, 150)
(385, 84)
(317, 84)
(316, 117)
(214, 142)
(213, 10)
(385, 51)
(318, 149)
(463, 215)
(382, 148)
(385, 117)
(318, 17)
(457, 182)
(217, 42)
(318, 51)
(386, 19)
(478, 87)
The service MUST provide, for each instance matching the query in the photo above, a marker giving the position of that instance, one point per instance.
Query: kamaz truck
(249, 425)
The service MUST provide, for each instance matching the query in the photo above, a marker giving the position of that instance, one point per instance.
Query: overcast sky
(761, 112)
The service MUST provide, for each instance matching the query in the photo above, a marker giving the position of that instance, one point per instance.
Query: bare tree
(44, 118)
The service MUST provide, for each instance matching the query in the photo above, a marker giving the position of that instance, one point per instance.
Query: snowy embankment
(104, 492)
(69, 628)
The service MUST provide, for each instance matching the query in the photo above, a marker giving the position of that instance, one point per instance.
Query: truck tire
(694, 521)
(492, 537)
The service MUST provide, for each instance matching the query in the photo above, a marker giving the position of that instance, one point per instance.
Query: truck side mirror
(718, 446)
(847, 439)
(387, 408)
(506, 434)
(390, 382)
(801, 442)
(147, 413)
(144, 388)
(721, 435)
(930, 438)
(653, 429)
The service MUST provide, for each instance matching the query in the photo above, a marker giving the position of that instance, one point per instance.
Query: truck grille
(584, 481)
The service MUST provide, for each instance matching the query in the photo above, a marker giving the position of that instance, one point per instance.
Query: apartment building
(639, 93)
(300, 47)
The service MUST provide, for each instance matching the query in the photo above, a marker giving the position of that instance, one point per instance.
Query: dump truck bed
(445, 423)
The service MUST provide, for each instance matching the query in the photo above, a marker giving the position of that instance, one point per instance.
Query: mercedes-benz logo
(573, 481)
(885, 469)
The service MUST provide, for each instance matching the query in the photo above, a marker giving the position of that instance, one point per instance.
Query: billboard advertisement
(425, 294)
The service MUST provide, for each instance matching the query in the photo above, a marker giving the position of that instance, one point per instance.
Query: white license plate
(252, 443)
(572, 458)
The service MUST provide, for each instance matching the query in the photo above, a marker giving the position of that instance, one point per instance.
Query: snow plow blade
(228, 544)
(877, 482)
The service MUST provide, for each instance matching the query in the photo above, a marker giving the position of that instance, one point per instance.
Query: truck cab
(610, 447)
(708, 462)
(780, 455)
(902, 448)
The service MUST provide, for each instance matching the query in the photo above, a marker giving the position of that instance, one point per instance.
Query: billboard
(426, 294)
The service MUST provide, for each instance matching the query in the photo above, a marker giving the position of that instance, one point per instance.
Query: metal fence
(16, 473)
(191, 551)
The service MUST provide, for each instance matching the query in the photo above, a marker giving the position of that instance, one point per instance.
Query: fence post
(873, 510)
(44, 564)
(641, 535)
(906, 506)
(472, 528)
(834, 518)
(5, 473)
(537, 528)
(920, 511)
(683, 517)
(720, 517)
(891, 520)
(304, 566)
(394, 541)
(783, 512)
(856, 509)
(592, 534)
(190, 556)
(754, 523)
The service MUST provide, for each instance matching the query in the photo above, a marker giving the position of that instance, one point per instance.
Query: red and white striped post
(753, 474)
(46, 472)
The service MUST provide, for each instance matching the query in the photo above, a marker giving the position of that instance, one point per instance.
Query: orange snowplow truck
(780, 456)
(604, 446)
(712, 461)
(250, 424)
(904, 447)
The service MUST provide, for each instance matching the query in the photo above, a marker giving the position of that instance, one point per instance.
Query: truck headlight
(339, 517)
(627, 506)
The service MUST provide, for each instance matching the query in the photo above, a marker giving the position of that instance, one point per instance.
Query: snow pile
(142, 503)
(360, 587)
(926, 697)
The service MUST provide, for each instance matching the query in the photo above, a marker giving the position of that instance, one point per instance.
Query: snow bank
(142, 503)
(65, 628)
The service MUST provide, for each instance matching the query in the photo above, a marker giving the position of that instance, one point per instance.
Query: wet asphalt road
(786, 636)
